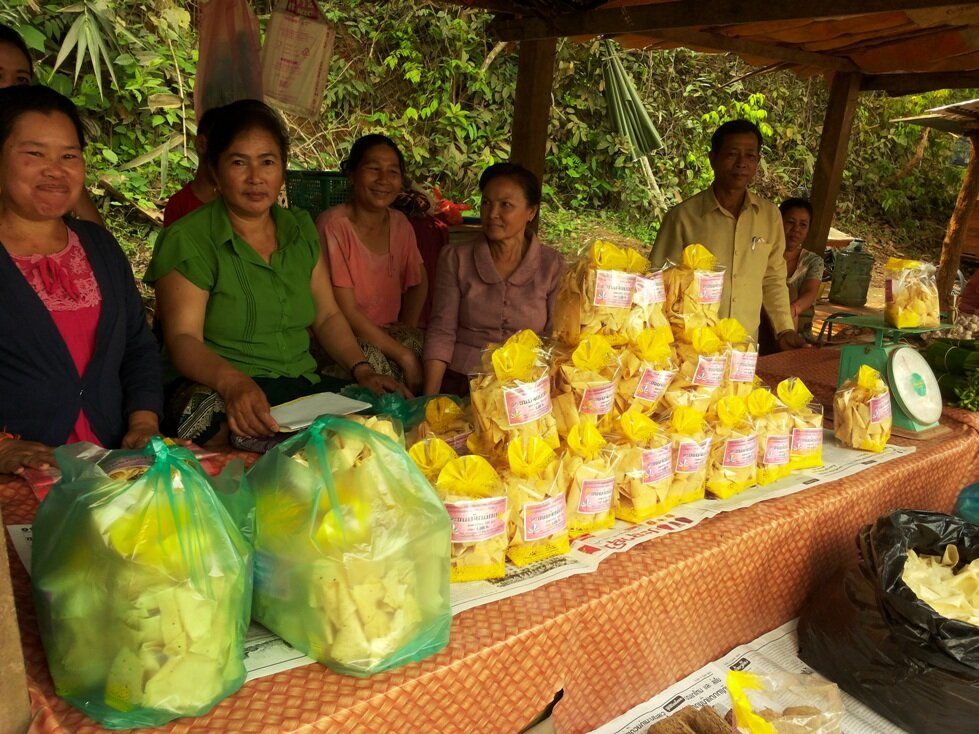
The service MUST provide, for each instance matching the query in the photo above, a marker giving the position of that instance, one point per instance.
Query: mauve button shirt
(473, 306)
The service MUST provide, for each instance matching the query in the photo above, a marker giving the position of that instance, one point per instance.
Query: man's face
(736, 162)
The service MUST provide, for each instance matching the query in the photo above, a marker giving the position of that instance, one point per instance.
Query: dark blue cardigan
(41, 392)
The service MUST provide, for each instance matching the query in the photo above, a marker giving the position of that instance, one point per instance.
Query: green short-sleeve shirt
(257, 313)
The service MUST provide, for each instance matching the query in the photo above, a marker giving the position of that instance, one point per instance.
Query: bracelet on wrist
(355, 365)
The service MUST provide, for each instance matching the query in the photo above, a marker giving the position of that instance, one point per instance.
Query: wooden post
(833, 144)
(15, 710)
(532, 104)
(958, 225)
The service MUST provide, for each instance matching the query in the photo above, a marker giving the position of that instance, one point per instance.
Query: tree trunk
(958, 225)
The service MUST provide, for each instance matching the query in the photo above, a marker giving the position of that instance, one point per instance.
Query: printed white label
(710, 370)
(476, 520)
(710, 286)
(614, 288)
(776, 451)
(544, 519)
(657, 464)
(740, 452)
(528, 402)
(691, 456)
(743, 365)
(880, 408)
(596, 495)
(597, 400)
(806, 440)
(650, 289)
(653, 383)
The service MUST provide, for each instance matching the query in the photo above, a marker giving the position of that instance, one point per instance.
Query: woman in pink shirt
(494, 286)
(377, 271)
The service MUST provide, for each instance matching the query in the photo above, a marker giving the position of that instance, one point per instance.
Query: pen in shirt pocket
(755, 242)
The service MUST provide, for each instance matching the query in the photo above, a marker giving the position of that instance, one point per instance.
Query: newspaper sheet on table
(774, 651)
(266, 654)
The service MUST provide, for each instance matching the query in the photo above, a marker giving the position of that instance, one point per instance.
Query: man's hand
(789, 340)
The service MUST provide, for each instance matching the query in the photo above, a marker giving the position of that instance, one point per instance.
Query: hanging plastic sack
(648, 368)
(910, 294)
(448, 420)
(734, 450)
(296, 56)
(691, 450)
(773, 423)
(784, 703)
(585, 385)
(643, 470)
(538, 513)
(693, 291)
(351, 549)
(589, 466)
(870, 633)
(862, 411)
(742, 358)
(142, 584)
(703, 361)
(229, 66)
(806, 447)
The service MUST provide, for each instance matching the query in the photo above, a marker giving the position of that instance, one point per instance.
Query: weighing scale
(916, 403)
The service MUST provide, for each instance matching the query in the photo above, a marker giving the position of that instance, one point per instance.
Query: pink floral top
(66, 286)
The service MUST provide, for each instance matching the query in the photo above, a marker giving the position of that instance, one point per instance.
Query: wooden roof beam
(897, 85)
(687, 14)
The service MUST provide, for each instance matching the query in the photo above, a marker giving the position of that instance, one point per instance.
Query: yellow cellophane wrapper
(431, 455)
(575, 311)
(702, 360)
(862, 411)
(512, 401)
(691, 440)
(643, 481)
(464, 479)
(588, 466)
(535, 482)
(685, 308)
(445, 419)
(910, 294)
(584, 385)
(773, 421)
(807, 419)
(734, 449)
(742, 355)
(651, 352)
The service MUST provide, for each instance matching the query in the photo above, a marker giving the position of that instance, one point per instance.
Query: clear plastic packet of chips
(648, 303)
(584, 385)
(513, 399)
(383, 424)
(643, 469)
(742, 358)
(703, 361)
(431, 455)
(862, 411)
(806, 446)
(588, 466)
(538, 507)
(773, 424)
(778, 702)
(910, 294)
(478, 506)
(648, 367)
(691, 440)
(448, 420)
(693, 291)
(734, 449)
(596, 294)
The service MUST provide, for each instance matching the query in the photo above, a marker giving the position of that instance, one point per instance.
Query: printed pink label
(597, 400)
(657, 464)
(691, 456)
(888, 291)
(476, 520)
(710, 370)
(596, 495)
(806, 439)
(544, 519)
(880, 408)
(710, 286)
(614, 288)
(740, 452)
(649, 289)
(776, 451)
(458, 442)
(527, 402)
(743, 365)
(653, 383)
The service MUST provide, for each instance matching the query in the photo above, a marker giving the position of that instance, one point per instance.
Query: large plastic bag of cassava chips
(351, 549)
(142, 582)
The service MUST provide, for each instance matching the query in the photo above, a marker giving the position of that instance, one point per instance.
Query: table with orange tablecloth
(608, 639)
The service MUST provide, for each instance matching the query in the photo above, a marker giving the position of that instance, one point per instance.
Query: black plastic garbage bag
(868, 632)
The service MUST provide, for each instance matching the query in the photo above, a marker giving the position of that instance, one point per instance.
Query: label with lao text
(880, 408)
(596, 495)
(476, 520)
(657, 464)
(806, 440)
(740, 452)
(710, 286)
(691, 456)
(710, 370)
(614, 288)
(743, 365)
(649, 289)
(544, 519)
(776, 451)
(528, 402)
(653, 383)
(597, 400)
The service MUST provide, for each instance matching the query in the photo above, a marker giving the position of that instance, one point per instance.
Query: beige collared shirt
(750, 248)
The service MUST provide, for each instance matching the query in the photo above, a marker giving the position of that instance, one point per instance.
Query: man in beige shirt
(741, 229)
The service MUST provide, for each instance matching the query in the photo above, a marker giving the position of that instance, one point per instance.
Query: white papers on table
(297, 414)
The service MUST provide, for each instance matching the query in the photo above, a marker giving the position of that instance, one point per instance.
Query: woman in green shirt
(239, 282)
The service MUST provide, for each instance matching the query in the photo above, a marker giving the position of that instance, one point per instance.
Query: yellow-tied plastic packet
(431, 455)
(806, 446)
(910, 294)
(742, 358)
(773, 424)
(693, 291)
(538, 527)
(477, 504)
(691, 440)
(643, 469)
(862, 411)
(648, 367)
(734, 449)
(585, 385)
(445, 419)
(773, 703)
(703, 362)
(588, 466)
(648, 306)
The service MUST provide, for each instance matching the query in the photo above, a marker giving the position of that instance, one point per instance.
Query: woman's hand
(143, 425)
(378, 384)
(411, 365)
(17, 455)
(247, 408)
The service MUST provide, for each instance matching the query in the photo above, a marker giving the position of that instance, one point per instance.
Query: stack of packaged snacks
(703, 361)
(643, 470)
(477, 504)
(773, 423)
(445, 419)
(584, 385)
(693, 291)
(910, 294)
(734, 449)
(596, 294)
(691, 440)
(648, 301)
(588, 466)
(513, 400)
(431, 455)
(806, 447)
(862, 411)
(742, 358)
(648, 368)
(538, 512)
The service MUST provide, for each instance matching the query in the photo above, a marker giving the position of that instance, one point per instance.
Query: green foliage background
(428, 75)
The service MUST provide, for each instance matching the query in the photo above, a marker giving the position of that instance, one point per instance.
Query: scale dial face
(914, 385)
